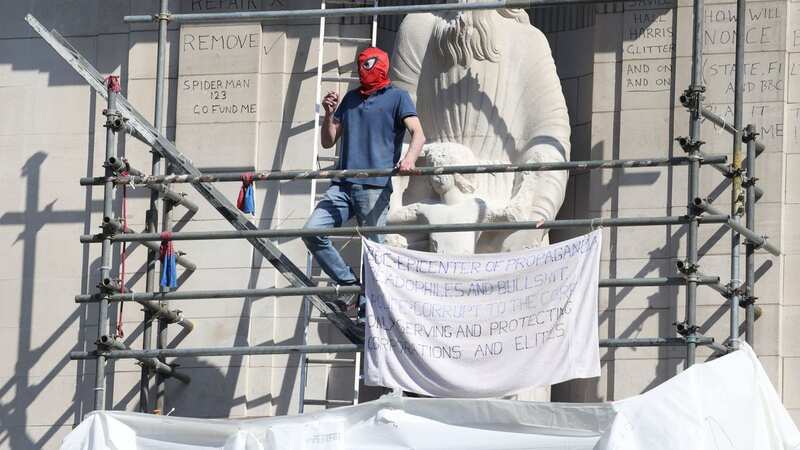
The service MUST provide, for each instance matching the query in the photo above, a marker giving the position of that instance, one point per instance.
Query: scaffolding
(122, 119)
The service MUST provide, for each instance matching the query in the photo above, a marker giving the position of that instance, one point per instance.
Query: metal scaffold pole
(438, 228)
(342, 290)
(113, 121)
(693, 99)
(737, 194)
(287, 175)
(749, 298)
(342, 348)
(151, 216)
(158, 123)
(257, 16)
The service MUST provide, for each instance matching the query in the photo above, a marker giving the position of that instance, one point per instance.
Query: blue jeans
(369, 205)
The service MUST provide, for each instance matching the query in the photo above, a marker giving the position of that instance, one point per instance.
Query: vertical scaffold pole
(312, 201)
(737, 195)
(152, 222)
(750, 249)
(105, 255)
(694, 94)
(375, 26)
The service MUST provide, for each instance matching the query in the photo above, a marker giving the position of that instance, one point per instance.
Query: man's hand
(407, 165)
(330, 102)
(331, 128)
(414, 127)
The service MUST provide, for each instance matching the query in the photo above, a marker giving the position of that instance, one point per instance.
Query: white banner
(483, 325)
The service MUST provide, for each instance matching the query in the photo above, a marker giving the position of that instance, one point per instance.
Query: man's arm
(415, 147)
(331, 127)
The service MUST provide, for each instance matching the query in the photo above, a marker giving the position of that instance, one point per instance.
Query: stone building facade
(622, 66)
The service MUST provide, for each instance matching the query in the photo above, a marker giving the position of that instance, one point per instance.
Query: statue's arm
(410, 45)
(539, 195)
(404, 215)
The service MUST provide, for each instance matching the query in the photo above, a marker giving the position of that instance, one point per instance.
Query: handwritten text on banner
(482, 325)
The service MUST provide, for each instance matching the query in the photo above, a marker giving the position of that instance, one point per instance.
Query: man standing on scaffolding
(372, 121)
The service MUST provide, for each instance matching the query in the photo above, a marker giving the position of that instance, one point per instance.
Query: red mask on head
(373, 70)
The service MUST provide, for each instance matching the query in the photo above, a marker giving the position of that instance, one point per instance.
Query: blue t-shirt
(373, 131)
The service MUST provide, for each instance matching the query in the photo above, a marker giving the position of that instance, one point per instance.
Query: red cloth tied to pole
(246, 201)
(169, 269)
(112, 82)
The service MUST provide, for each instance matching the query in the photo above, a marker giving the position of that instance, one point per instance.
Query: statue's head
(450, 154)
(465, 35)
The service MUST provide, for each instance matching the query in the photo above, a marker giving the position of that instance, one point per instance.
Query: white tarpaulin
(483, 325)
(725, 404)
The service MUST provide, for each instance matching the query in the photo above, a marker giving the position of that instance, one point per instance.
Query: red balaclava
(373, 70)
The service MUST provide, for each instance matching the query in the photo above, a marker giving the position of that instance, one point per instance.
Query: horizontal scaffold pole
(111, 287)
(122, 167)
(342, 290)
(419, 171)
(109, 344)
(336, 348)
(390, 229)
(254, 16)
(750, 235)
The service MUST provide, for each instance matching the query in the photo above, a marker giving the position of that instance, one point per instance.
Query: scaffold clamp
(731, 291)
(748, 181)
(119, 166)
(104, 344)
(110, 286)
(692, 97)
(112, 226)
(690, 146)
(687, 331)
(749, 134)
(687, 268)
(115, 120)
(747, 300)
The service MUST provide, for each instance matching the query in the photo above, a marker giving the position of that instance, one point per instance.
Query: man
(371, 121)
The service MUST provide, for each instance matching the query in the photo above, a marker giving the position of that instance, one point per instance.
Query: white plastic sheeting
(725, 404)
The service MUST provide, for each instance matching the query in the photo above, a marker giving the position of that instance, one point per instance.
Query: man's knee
(314, 242)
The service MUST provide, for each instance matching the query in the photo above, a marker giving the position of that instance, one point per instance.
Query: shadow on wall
(22, 390)
(46, 394)
(599, 194)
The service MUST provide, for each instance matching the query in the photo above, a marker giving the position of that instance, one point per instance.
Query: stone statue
(458, 200)
(487, 92)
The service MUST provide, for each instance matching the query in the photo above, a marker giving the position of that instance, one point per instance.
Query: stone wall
(642, 63)
(616, 70)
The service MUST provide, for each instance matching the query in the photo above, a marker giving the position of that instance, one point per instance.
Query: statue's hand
(396, 240)
(406, 214)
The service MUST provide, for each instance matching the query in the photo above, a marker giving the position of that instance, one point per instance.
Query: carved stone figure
(459, 202)
(487, 92)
